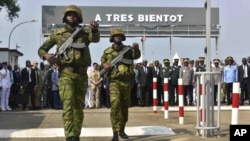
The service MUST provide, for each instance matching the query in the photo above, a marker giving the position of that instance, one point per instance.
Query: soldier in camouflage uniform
(201, 67)
(166, 72)
(120, 80)
(217, 78)
(73, 74)
(44, 94)
(174, 78)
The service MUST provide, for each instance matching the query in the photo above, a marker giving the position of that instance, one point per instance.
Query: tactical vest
(123, 69)
(79, 54)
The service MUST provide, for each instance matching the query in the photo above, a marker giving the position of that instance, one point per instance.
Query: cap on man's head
(201, 58)
(165, 60)
(191, 61)
(185, 60)
(176, 60)
(216, 60)
(230, 58)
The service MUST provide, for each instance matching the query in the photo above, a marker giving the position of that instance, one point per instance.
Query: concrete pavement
(143, 125)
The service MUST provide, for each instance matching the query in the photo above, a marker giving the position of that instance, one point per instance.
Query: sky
(234, 32)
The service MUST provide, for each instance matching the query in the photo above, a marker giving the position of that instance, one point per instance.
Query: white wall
(3, 56)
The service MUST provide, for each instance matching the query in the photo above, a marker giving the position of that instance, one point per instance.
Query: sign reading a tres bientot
(140, 18)
(145, 16)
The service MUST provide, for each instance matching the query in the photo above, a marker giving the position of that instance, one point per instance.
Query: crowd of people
(228, 73)
(33, 87)
(40, 84)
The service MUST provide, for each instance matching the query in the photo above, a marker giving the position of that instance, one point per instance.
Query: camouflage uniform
(73, 76)
(45, 80)
(166, 72)
(201, 67)
(120, 81)
(174, 78)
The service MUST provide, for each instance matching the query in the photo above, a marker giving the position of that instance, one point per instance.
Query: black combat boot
(68, 138)
(123, 135)
(73, 139)
(115, 136)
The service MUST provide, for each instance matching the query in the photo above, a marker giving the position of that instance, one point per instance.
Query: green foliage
(12, 8)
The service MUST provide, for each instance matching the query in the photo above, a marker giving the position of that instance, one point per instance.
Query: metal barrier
(205, 122)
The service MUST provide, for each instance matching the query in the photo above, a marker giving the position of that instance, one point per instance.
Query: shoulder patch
(108, 50)
(60, 30)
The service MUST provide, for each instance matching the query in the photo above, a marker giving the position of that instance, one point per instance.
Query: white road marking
(86, 132)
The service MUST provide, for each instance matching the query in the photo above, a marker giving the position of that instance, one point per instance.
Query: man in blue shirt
(230, 75)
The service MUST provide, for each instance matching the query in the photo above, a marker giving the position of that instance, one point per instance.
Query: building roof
(12, 51)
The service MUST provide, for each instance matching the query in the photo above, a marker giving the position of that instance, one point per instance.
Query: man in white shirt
(6, 82)
(88, 91)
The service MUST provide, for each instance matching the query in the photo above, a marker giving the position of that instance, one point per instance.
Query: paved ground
(139, 117)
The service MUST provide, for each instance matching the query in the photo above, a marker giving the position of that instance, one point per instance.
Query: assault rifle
(62, 50)
(116, 60)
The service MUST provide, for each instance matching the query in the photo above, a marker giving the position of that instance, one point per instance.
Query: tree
(11, 7)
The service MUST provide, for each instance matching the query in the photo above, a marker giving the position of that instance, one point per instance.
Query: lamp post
(143, 39)
(208, 33)
(11, 34)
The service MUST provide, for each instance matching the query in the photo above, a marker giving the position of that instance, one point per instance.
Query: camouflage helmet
(72, 8)
(116, 31)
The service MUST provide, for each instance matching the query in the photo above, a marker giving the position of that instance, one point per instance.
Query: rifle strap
(127, 61)
(78, 45)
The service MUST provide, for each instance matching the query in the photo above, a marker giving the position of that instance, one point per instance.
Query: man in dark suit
(15, 86)
(28, 81)
(105, 84)
(145, 84)
(50, 98)
(156, 74)
(134, 81)
(244, 79)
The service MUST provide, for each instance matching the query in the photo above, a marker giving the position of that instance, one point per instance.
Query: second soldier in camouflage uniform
(73, 74)
(120, 81)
